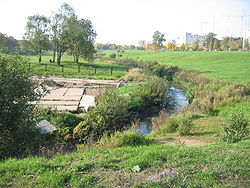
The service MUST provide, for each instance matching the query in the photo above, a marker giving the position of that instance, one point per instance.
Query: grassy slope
(218, 165)
(229, 66)
(87, 70)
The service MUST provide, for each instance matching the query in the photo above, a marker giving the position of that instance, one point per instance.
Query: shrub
(111, 114)
(65, 120)
(135, 74)
(126, 138)
(153, 91)
(112, 56)
(16, 111)
(185, 126)
(172, 124)
(235, 129)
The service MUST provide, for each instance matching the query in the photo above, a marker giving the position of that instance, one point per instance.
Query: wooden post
(111, 70)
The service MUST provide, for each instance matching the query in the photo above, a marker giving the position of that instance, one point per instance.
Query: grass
(221, 165)
(127, 89)
(228, 66)
(70, 69)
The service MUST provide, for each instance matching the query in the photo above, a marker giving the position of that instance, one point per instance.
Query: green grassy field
(70, 69)
(228, 66)
(221, 165)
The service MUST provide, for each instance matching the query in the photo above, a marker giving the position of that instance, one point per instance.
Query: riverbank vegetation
(110, 153)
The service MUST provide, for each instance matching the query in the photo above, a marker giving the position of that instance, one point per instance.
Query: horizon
(128, 22)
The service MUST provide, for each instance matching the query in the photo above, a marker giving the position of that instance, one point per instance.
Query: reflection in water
(180, 102)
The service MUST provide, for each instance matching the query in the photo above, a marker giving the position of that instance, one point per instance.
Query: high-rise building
(189, 38)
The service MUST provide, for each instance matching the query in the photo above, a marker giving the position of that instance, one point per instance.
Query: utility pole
(202, 22)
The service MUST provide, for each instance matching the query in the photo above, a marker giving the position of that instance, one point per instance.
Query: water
(180, 101)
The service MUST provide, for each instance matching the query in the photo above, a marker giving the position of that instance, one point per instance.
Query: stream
(180, 101)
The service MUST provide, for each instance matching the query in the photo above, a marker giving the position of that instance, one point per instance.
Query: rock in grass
(45, 126)
(136, 168)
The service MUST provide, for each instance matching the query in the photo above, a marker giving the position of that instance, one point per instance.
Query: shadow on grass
(204, 133)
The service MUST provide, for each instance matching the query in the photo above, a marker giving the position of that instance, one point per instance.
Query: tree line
(62, 32)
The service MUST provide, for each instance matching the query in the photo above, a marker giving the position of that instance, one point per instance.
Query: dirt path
(183, 141)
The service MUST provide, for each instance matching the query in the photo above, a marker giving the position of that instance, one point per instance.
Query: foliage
(36, 34)
(210, 41)
(235, 129)
(125, 138)
(135, 74)
(185, 126)
(81, 38)
(16, 92)
(158, 39)
(7, 43)
(151, 93)
(111, 114)
(59, 34)
(195, 45)
(112, 56)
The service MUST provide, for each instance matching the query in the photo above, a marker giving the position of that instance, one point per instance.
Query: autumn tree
(36, 34)
(216, 44)
(158, 39)
(195, 45)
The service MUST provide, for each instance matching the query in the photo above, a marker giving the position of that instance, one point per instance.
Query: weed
(235, 129)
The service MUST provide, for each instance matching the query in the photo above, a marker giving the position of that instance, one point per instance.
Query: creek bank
(179, 102)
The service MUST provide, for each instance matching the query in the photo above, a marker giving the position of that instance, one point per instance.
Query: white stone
(45, 126)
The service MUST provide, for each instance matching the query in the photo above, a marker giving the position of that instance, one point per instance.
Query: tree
(209, 41)
(17, 92)
(169, 46)
(247, 45)
(195, 45)
(37, 34)
(183, 47)
(59, 36)
(8, 43)
(81, 38)
(142, 43)
(158, 39)
(216, 44)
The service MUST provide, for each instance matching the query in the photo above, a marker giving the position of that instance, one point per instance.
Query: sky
(129, 21)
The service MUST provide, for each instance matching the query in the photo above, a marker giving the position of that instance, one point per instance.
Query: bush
(185, 126)
(135, 74)
(112, 56)
(111, 114)
(126, 138)
(235, 129)
(172, 124)
(152, 92)
(17, 92)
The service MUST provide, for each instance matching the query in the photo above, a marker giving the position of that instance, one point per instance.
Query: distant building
(189, 38)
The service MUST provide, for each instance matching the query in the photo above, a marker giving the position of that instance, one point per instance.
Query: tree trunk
(77, 59)
(40, 58)
(54, 55)
(74, 58)
(59, 55)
